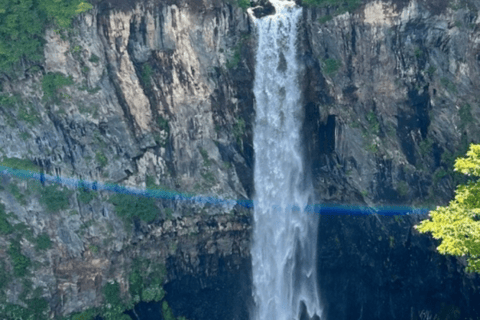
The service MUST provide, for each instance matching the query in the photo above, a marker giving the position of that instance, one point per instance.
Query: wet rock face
(381, 268)
(222, 289)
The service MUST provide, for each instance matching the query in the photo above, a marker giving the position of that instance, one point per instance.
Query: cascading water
(284, 239)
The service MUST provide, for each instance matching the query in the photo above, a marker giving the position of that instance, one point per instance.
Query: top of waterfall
(277, 6)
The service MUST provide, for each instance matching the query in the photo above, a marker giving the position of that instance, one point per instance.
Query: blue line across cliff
(322, 209)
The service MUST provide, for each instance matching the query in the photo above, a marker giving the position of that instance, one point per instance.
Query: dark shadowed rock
(265, 9)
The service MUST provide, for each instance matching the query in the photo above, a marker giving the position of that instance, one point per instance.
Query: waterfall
(284, 237)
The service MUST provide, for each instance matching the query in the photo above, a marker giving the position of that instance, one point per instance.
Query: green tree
(458, 224)
(21, 28)
(23, 22)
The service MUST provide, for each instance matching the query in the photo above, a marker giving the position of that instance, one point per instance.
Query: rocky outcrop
(389, 98)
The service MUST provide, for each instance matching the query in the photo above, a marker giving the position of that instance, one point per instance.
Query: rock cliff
(158, 94)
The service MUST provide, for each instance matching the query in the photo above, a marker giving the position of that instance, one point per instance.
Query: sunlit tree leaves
(458, 225)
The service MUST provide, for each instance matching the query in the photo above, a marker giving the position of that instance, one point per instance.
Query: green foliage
(402, 188)
(418, 52)
(43, 242)
(19, 261)
(374, 124)
(150, 182)
(167, 313)
(5, 226)
(85, 195)
(168, 213)
(431, 70)
(28, 114)
(114, 304)
(340, 5)
(88, 314)
(54, 198)
(101, 159)
(24, 231)
(129, 206)
(465, 114)
(162, 139)
(25, 136)
(398, 219)
(391, 241)
(449, 85)
(93, 248)
(426, 147)
(111, 292)
(237, 50)
(12, 187)
(448, 160)
(146, 75)
(331, 66)
(244, 4)
(144, 285)
(325, 19)
(19, 164)
(8, 101)
(239, 130)
(52, 82)
(457, 225)
(209, 178)
(153, 293)
(163, 124)
(206, 160)
(373, 148)
(4, 276)
(63, 11)
(36, 309)
(227, 165)
(94, 58)
(234, 61)
(21, 30)
(438, 175)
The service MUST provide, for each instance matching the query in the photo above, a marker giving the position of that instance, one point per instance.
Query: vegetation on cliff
(342, 5)
(457, 225)
(23, 22)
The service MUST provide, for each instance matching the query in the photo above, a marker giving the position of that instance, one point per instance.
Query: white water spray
(284, 238)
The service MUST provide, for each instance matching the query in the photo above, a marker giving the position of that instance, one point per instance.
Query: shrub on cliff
(146, 285)
(43, 242)
(115, 306)
(129, 206)
(457, 225)
(19, 261)
(52, 82)
(54, 198)
(5, 226)
(346, 4)
(85, 195)
(19, 164)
